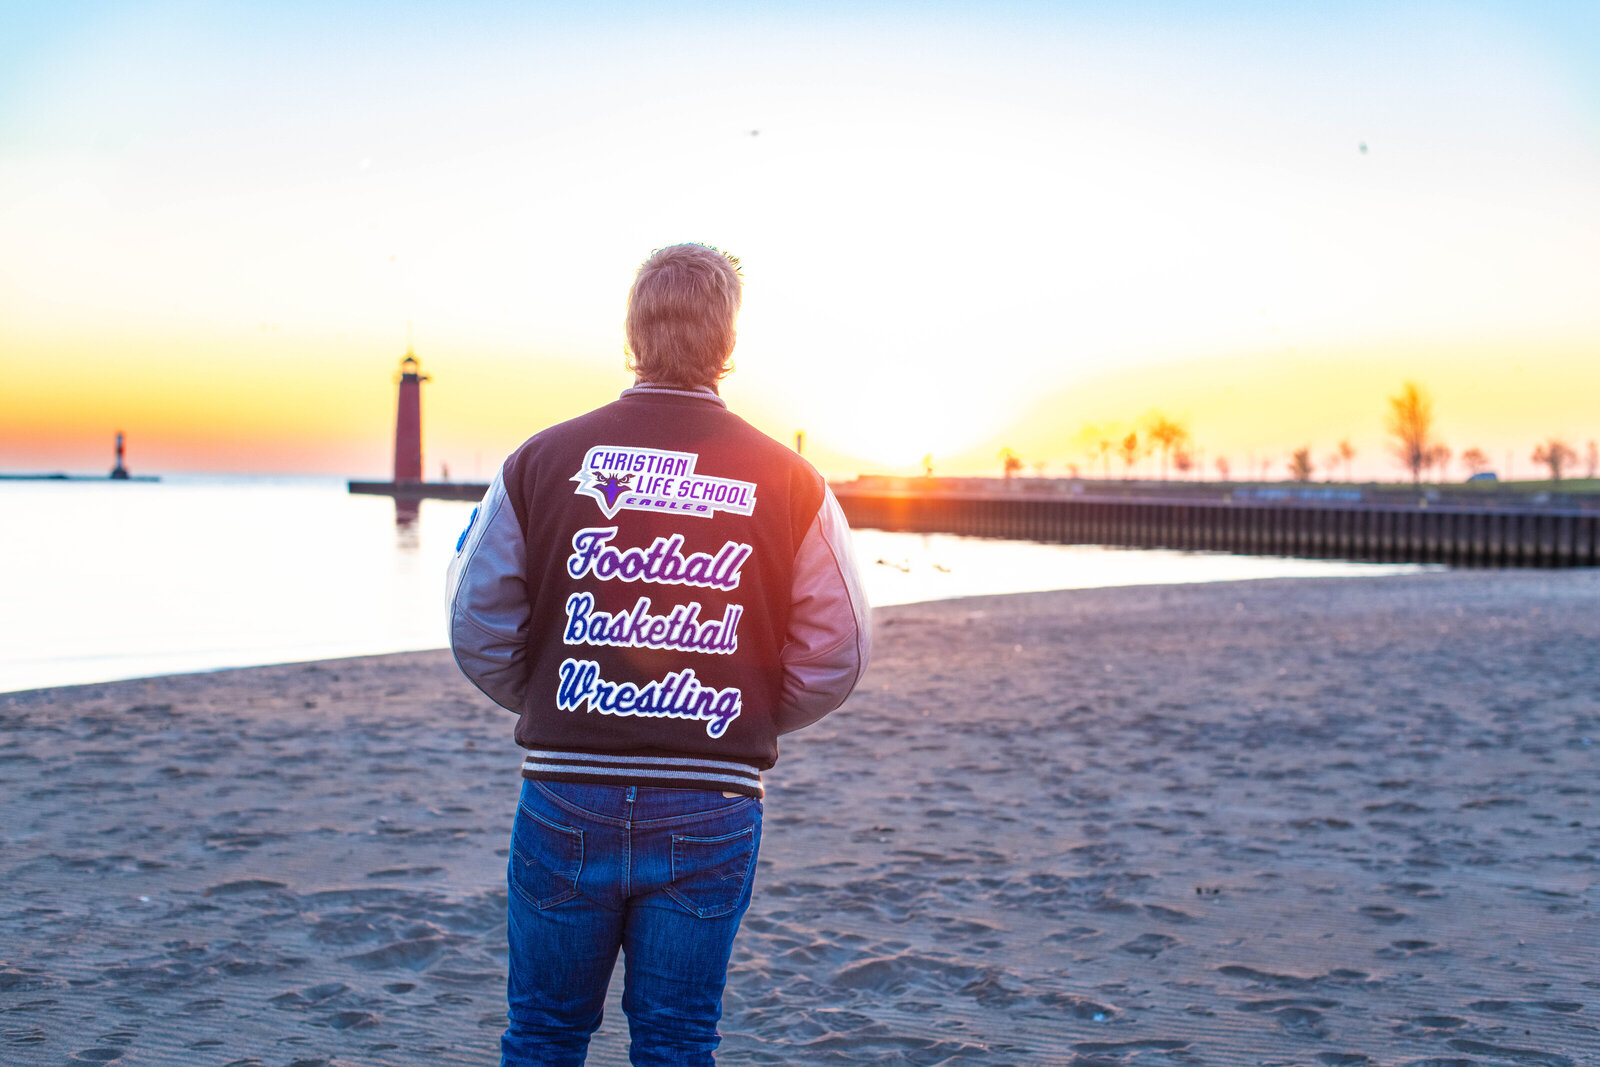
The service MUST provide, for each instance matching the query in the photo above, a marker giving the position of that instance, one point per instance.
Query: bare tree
(1475, 460)
(1330, 464)
(1410, 423)
(1167, 435)
(1438, 459)
(1557, 455)
(1347, 453)
(1129, 451)
(1098, 442)
(1300, 464)
(1010, 462)
(1222, 467)
(1039, 466)
(1183, 460)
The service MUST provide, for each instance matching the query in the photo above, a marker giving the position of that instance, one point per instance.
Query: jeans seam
(665, 821)
(574, 809)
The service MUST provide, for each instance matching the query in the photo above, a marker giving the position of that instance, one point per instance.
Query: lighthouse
(119, 472)
(408, 487)
(408, 423)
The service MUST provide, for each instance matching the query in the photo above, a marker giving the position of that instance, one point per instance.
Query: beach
(1306, 821)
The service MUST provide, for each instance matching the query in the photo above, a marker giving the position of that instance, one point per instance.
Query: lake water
(103, 580)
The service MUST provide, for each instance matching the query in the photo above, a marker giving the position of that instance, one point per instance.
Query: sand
(1344, 821)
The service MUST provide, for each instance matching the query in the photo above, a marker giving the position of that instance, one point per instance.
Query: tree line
(1409, 424)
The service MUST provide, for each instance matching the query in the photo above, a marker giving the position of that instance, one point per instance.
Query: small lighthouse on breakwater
(119, 472)
(408, 423)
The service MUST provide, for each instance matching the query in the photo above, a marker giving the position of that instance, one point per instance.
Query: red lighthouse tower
(408, 423)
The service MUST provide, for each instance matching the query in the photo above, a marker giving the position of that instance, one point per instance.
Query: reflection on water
(903, 568)
(406, 513)
(106, 580)
(212, 572)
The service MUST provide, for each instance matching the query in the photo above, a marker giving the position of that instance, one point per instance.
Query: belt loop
(632, 793)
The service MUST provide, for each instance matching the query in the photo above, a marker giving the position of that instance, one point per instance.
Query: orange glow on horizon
(277, 404)
(1502, 397)
(273, 404)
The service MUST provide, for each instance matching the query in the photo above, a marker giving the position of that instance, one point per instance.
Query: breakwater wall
(1461, 536)
(422, 490)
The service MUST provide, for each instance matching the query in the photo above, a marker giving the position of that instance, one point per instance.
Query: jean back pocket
(710, 874)
(546, 859)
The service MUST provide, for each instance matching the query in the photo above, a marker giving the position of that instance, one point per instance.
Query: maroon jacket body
(658, 590)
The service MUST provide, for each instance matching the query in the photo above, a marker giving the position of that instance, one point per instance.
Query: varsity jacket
(658, 590)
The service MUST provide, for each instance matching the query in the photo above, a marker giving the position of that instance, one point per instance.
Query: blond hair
(682, 311)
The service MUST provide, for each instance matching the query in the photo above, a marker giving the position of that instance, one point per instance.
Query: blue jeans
(663, 874)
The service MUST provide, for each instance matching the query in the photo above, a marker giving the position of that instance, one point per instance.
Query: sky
(963, 227)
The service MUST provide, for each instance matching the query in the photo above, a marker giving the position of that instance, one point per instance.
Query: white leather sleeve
(830, 623)
(487, 596)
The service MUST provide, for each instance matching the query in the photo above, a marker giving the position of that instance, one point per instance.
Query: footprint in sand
(239, 840)
(22, 1035)
(1300, 1016)
(1117, 1048)
(404, 872)
(1530, 1057)
(1506, 1007)
(1148, 945)
(1302, 1022)
(415, 954)
(1399, 950)
(1395, 807)
(1078, 1007)
(1291, 981)
(244, 885)
(316, 994)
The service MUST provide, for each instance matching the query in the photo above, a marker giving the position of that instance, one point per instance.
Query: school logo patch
(652, 479)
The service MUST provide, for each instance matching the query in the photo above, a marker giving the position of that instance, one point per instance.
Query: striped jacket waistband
(673, 772)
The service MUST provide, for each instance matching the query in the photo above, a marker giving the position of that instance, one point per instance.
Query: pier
(1336, 524)
(422, 490)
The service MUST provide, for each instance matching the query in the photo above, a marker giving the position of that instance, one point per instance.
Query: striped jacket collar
(698, 392)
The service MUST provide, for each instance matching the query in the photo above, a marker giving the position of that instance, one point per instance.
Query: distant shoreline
(58, 477)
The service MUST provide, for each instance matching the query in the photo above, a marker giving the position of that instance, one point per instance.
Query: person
(659, 591)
